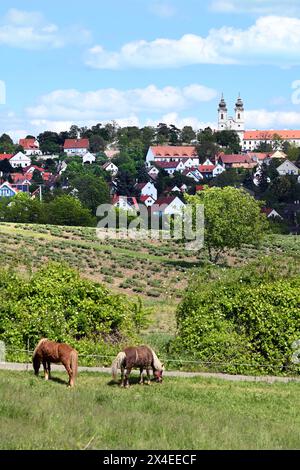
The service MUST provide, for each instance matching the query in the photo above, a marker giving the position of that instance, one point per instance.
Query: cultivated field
(157, 271)
(97, 414)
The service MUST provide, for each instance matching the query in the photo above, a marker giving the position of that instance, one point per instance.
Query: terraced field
(156, 270)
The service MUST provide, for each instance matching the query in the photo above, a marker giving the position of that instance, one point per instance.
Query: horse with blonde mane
(48, 351)
(141, 357)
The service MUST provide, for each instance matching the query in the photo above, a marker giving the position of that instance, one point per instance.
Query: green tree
(228, 139)
(232, 217)
(22, 209)
(187, 134)
(92, 191)
(67, 210)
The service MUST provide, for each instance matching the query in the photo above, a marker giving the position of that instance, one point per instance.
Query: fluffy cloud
(111, 102)
(260, 7)
(263, 119)
(270, 40)
(30, 30)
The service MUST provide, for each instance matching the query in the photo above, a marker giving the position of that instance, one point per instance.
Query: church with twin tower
(226, 122)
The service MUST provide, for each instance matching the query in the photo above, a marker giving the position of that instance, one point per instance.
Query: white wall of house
(88, 158)
(112, 168)
(175, 207)
(149, 190)
(288, 168)
(218, 170)
(72, 152)
(20, 160)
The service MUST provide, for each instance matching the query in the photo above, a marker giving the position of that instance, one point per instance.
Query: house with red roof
(171, 167)
(147, 200)
(31, 147)
(5, 156)
(126, 203)
(76, 146)
(236, 161)
(168, 205)
(252, 139)
(169, 153)
(147, 189)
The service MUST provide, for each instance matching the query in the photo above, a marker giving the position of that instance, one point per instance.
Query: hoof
(126, 386)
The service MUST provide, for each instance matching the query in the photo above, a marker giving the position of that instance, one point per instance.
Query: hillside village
(157, 167)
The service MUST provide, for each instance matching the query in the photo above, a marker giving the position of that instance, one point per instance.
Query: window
(222, 116)
(239, 116)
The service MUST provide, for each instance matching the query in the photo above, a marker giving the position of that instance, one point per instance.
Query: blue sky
(147, 61)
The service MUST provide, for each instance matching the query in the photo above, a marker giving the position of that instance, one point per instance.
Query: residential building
(31, 147)
(147, 189)
(168, 153)
(288, 168)
(20, 160)
(111, 168)
(76, 146)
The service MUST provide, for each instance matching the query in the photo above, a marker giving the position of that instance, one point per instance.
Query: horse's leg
(122, 376)
(141, 376)
(127, 374)
(148, 376)
(70, 373)
(45, 365)
(49, 369)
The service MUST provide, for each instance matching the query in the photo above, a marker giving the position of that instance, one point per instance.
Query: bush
(246, 320)
(56, 303)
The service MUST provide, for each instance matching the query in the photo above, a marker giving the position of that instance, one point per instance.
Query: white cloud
(111, 102)
(260, 7)
(270, 40)
(30, 30)
(263, 119)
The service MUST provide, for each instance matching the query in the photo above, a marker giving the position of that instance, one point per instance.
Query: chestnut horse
(49, 351)
(141, 357)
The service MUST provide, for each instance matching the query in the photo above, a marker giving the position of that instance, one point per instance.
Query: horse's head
(36, 364)
(158, 375)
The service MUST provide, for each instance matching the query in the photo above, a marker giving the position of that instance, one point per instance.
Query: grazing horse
(49, 351)
(142, 357)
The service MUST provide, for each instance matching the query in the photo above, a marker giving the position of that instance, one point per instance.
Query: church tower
(222, 111)
(239, 115)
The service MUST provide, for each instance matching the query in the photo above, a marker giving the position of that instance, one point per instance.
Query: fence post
(2, 352)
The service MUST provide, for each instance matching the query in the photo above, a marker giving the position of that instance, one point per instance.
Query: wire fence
(177, 362)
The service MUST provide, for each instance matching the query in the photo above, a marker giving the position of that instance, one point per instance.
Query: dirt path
(107, 370)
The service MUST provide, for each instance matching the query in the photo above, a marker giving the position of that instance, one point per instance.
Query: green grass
(180, 414)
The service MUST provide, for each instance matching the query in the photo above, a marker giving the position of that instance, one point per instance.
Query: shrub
(56, 303)
(249, 317)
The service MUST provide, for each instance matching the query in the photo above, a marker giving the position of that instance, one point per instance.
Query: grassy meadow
(181, 413)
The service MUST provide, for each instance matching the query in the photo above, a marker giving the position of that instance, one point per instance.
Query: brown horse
(49, 351)
(141, 357)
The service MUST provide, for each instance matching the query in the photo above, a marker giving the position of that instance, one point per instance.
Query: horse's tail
(117, 364)
(74, 362)
(156, 362)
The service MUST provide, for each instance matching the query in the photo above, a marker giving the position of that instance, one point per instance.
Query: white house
(31, 147)
(128, 204)
(111, 168)
(153, 172)
(288, 168)
(170, 205)
(194, 173)
(252, 139)
(76, 146)
(147, 200)
(147, 189)
(169, 153)
(20, 160)
(218, 170)
(171, 167)
(6, 190)
(88, 157)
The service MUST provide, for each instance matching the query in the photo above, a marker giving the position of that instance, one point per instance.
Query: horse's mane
(156, 362)
(38, 345)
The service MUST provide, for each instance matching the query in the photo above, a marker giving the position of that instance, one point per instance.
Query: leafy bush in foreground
(56, 303)
(241, 321)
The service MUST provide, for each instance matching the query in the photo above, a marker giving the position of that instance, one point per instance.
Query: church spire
(222, 104)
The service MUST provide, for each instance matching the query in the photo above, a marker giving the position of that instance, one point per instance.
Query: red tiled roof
(144, 198)
(199, 187)
(76, 144)
(258, 155)
(28, 144)
(20, 177)
(235, 158)
(140, 185)
(170, 151)
(165, 200)
(5, 156)
(167, 164)
(206, 168)
(268, 135)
